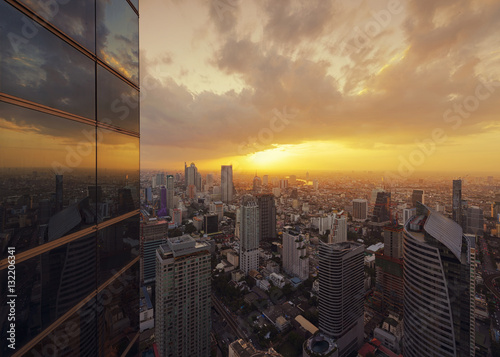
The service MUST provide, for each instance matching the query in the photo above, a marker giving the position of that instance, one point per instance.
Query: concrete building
(417, 196)
(474, 221)
(267, 217)
(341, 294)
(359, 209)
(438, 287)
(249, 234)
(153, 234)
(295, 260)
(457, 201)
(226, 179)
(183, 300)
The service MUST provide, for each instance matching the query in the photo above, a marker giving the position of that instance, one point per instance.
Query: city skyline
(320, 85)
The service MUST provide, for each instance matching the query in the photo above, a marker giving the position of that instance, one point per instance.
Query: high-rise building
(382, 208)
(69, 99)
(162, 212)
(249, 234)
(457, 201)
(295, 260)
(341, 294)
(359, 209)
(292, 179)
(226, 181)
(265, 180)
(417, 196)
(389, 272)
(257, 184)
(474, 220)
(408, 213)
(267, 217)
(170, 192)
(191, 176)
(438, 287)
(211, 223)
(153, 234)
(183, 299)
(210, 180)
(283, 184)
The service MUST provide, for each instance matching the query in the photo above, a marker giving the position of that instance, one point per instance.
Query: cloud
(396, 89)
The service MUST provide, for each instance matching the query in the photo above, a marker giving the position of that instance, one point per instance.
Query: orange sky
(400, 86)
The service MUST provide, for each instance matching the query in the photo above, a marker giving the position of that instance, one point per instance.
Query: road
(489, 283)
(231, 321)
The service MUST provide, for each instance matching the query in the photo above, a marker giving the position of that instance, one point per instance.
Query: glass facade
(69, 178)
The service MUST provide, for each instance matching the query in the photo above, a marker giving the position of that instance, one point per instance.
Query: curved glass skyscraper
(438, 287)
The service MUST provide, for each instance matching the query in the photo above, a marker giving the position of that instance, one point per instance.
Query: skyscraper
(382, 208)
(191, 176)
(226, 180)
(69, 93)
(457, 201)
(170, 192)
(267, 216)
(257, 184)
(474, 220)
(389, 272)
(183, 300)
(249, 234)
(359, 209)
(153, 234)
(438, 287)
(417, 196)
(295, 260)
(341, 294)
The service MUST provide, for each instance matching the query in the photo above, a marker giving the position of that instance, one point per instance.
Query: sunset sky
(401, 86)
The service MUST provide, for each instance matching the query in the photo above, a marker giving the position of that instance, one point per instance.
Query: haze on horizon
(292, 86)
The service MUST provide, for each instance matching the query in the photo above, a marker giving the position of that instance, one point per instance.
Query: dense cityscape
(232, 178)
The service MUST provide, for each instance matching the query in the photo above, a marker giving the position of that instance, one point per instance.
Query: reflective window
(76, 336)
(135, 3)
(40, 67)
(47, 177)
(50, 284)
(75, 18)
(118, 37)
(117, 174)
(118, 245)
(119, 315)
(117, 102)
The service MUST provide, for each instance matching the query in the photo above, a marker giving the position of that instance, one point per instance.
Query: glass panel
(75, 18)
(118, 245)
(119, 314)
(117, 174)
(48, 285)
(118, 37)
(47, 177)
(135, 3)
(76, 336)
(117, 102)
(38, 66)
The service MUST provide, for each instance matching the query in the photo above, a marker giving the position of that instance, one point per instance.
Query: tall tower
(63, 72)
(183, 299)
(417, 196)
(249, 234)
(341, 294)
(359, 209)
(170, 192)
(191, 173)
(438, 287)
(389, 272)
(226, 180)
(295, 260)
(382, 208)
(267, 216)
(257, 184)
(457, 201)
